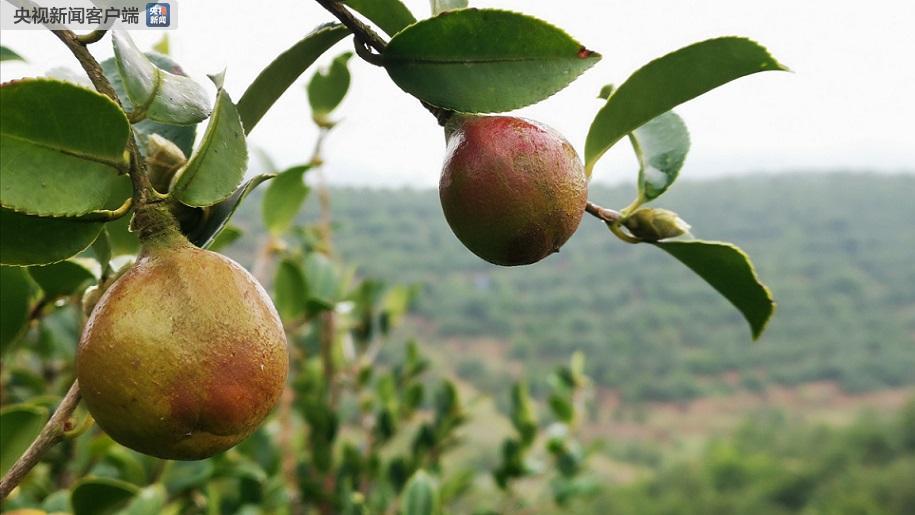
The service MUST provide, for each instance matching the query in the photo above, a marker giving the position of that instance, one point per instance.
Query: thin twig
(364, 34)
(361, 30)
(607, 215)
(50, 434)
(143, 190)
(92, 37)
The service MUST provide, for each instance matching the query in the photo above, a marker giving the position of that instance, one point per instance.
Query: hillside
(837, 251)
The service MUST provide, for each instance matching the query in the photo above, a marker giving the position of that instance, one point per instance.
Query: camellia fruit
(513, 190)
(184, 355)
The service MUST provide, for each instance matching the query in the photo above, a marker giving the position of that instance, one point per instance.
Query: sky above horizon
(847, 105)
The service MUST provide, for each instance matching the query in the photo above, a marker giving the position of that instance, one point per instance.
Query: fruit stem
(50, 434)
(156, 227)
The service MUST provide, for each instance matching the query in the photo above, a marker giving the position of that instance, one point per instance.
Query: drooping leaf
(729, 270)
(217, 167)
(61, 147)
(283, 71)
(60, 279)
(181, 135)
(15, 303)
(290, 290)
(19, 425)
(284, 198)
(101, 496)
(328, 87)
(661, 146)
(440, 6)
(7, 54)
(162, 96)
(391, 15)
(667, 82)
(219, 214)
(226, 237)
(484, 60)
(32, 240)
(421, 495)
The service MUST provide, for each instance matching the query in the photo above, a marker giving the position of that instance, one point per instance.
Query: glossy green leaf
(229, 235)
(61, 146)
(149, 501)
(15, 304)
(32, 240)
(290, 290)
(328, 87)
(284, 198)
(421, 495)
(484, 60)
(440, 6)
(19, 425)
(283, 71)
(391, 15)
(181, 135)
(215, 170)
(219, 215)
(729, 270)
(162, 96)
(101, 496)
(61, 279)
(661, 146)
(7, 54)
(667, 82)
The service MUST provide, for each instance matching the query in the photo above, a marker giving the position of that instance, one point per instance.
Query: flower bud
(652, 224)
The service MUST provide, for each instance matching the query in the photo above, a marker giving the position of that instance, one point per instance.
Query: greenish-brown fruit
(513, 190)
(184, 355)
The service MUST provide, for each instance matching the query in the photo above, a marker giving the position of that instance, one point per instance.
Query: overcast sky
(847, 105)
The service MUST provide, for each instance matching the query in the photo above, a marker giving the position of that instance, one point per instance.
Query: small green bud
(652, 224)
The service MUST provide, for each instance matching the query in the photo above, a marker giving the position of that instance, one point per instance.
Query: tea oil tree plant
(112, 206)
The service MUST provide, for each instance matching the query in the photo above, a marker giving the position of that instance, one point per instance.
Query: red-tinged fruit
(184, 355)
(513, 190)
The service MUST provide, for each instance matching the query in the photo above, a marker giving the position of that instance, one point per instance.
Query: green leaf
(324, 282)
(122, 241)
(661, 146)
(328, 87)
(440, 6)
(290, 290)
(391, 15)
(667, 82)
(8, 55)
(163, 45)
(284, 198)
(226, 237)
(283, 71)
(149, 501)
(606, 91)
(19, 425)
(484, 60)
(421, 495)
(219, 215)
(15, 303)
(61, 146)
(101, 496)
(162, 96)
(523, 416)
(61, 279)
(216, 169)
(181, 135)
(729, 270)
(32, 240)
